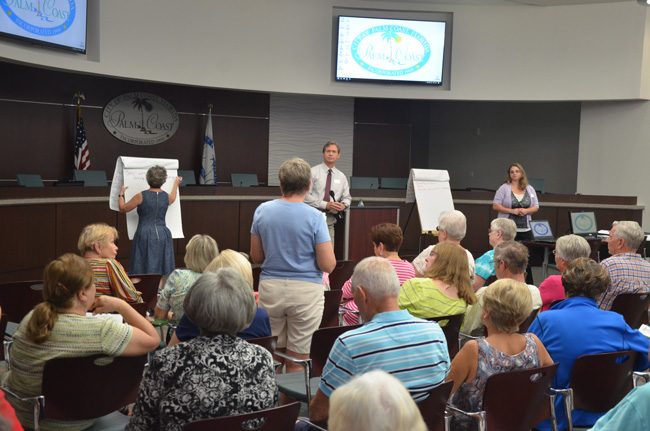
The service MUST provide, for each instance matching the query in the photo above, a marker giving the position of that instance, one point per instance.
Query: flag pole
(79, 97)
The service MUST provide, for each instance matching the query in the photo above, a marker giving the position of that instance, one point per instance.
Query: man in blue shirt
(576, 326)
(411, 349)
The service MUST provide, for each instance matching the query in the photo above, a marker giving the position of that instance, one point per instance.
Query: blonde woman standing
(516, 199)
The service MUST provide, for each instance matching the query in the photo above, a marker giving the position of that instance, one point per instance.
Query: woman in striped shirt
(97, 245)
(386, 240)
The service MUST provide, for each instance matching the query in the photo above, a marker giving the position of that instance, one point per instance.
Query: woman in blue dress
(153, 251)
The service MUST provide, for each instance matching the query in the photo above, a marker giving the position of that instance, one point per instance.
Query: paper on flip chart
(131, 171)
(430, 189)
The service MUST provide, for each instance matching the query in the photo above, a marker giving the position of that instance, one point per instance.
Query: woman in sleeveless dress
(507, 303)
(153, 251)
(517, 200)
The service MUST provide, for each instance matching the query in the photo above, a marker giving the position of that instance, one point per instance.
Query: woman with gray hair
(374, 401)
(153, 250)
(291, 241)
(215, 374)
(567, 249)
(576, 327)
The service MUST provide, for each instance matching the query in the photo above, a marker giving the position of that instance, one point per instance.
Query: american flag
(81, 150)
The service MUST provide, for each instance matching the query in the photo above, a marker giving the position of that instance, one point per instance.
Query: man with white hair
(567, 249)
(628, 271)
(452, 226)
(412, 350)
(501, 229)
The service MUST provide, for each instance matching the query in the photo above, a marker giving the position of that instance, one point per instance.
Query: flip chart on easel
(429, 188)
(131, 171)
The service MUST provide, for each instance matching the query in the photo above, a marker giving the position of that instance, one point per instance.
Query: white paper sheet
(131, 171)
(430, 189)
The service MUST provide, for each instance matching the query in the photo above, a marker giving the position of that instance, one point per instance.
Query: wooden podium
(358, 221)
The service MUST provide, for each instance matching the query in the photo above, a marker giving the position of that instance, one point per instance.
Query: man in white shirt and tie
(330, 191)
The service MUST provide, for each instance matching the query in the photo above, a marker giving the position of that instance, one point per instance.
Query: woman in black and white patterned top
(215, 374)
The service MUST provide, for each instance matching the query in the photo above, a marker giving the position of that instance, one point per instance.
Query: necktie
(328, 185)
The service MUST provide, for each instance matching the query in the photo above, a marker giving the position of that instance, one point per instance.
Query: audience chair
(269, 343)
(432, 408)
(147, 285)
(256, 277)
(105, 385)
(343, 310)
(598, 382)
(17, 298)
(341, 273)
(331, 308)
(451, 330)
(6, 341)
(515, 400)
(633, 307)
(281, 418)
(523, 327)
(303, 386)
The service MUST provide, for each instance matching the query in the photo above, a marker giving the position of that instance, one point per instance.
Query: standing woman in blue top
(517, 200)
(153, 251)
(292, 242)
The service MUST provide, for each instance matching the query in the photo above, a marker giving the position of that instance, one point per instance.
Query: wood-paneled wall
(40, 224)
(37, 129)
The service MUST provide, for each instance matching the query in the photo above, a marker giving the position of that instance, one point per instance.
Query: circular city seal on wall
(47, 18)
(391, 50)
(140, 118)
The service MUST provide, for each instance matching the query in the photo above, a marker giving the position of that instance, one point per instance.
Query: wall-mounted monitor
(59, 23)
(390, 50)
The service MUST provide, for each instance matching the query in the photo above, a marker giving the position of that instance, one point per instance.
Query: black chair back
(517, 400)
(601, 380)
(451, 330)
(281, 418)
(633, 307)
(433, 407)
(105, 385)
(341, 273)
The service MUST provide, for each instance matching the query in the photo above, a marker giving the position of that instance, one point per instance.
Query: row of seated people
(223, 305)
(444, 290)
(428, 263)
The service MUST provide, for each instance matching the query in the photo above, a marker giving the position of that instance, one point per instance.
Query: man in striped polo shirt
(411, 349)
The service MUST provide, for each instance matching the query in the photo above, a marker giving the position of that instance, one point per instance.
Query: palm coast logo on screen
(41, 17)
(391, 50)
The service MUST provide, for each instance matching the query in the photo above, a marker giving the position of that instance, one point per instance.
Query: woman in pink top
(386, 240)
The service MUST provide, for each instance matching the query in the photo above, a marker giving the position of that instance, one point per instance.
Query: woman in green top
(445, 291)
(58, 327)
